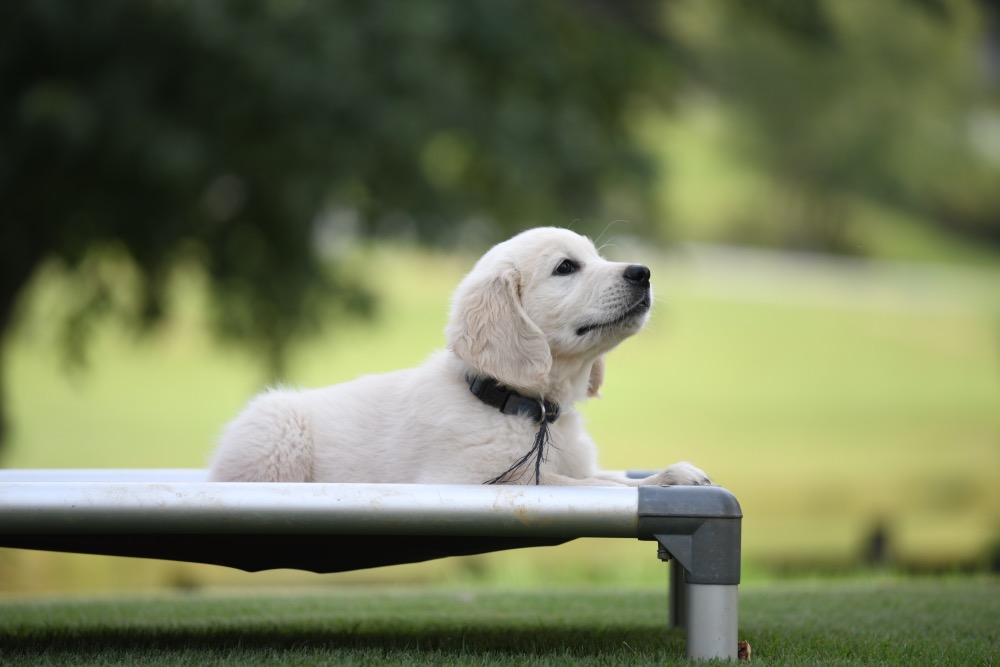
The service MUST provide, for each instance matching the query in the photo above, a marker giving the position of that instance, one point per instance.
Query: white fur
(513, 318)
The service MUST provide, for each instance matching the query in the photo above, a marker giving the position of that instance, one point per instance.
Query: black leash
(510, 402)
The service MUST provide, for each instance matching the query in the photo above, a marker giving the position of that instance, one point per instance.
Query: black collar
(509, 402)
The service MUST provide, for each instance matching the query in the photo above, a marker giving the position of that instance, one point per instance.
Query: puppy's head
(543, 308)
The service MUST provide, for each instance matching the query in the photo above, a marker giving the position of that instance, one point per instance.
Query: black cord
(538, 449)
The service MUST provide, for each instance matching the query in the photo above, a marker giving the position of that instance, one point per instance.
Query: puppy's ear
(491, 332)
(596, 378)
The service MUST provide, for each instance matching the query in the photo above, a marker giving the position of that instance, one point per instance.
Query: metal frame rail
(176, 515)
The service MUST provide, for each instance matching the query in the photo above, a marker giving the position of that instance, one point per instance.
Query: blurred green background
(200, 198)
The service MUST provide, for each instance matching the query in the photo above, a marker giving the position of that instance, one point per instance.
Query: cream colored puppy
(529, 329)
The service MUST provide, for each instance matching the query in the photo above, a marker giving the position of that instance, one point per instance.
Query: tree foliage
(842, 98)
(223, 133)
(233, 134)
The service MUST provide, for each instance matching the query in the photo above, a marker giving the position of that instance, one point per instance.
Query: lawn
(850, 622)
(830, 397)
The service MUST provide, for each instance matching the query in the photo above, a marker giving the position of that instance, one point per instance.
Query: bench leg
(711, 621)
(698, 529)
(677, 590)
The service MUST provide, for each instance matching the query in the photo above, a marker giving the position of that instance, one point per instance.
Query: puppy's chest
(543, 448)
(557, 442)
(562, 441)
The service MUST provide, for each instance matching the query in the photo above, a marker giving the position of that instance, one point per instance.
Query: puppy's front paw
(684, 474)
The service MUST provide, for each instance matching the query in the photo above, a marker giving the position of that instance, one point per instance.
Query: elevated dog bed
(176, 515)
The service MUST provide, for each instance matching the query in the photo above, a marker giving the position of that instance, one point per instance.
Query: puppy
(528, 332)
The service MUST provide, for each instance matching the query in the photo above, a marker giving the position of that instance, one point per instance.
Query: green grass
(875, 622)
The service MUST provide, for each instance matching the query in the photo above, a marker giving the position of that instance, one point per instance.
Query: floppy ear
(490, 331)
(596, 378)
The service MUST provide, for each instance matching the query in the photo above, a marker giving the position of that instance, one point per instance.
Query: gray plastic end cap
(699, 526)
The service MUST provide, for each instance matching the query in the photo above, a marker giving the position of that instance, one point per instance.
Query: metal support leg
(698, 528)
(678, 596)
(712, 621)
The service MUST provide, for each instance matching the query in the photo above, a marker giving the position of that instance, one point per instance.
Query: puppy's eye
(566, 267)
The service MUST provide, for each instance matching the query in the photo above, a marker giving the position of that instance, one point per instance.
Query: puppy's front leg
(601, 479)
(683, 474)
(679, 474)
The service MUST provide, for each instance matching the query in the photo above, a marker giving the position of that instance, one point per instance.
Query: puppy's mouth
(633, 312)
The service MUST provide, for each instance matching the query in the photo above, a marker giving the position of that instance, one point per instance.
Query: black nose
(637, 273)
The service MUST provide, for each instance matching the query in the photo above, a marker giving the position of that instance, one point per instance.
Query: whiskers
(601, 245)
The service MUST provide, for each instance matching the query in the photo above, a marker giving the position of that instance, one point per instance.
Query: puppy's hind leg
(271, 441)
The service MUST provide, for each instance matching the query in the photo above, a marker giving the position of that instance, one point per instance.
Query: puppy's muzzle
(637, 278)
(638, 275)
